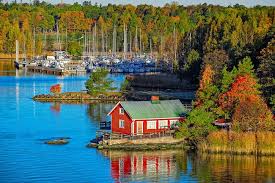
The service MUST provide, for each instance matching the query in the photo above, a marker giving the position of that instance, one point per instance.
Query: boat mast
(66, 39)
(161, 46)
(130, 43)
(175, 43)
(136, 41)
(102, 40)
(33, 48)
(24, 48)
(106, 43)
(45, 43)
(17, 51)
(125, 41)
(175, 48)
(151, 53)
(140, 46)
(84, 45)
(95, 40)
(114, 40)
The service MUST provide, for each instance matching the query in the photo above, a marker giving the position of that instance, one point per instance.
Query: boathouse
(143, 117)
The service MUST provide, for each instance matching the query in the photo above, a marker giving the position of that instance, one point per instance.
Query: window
(173, 123)
(121, 111)
(151, 125)
(121, 123)
(163, 124)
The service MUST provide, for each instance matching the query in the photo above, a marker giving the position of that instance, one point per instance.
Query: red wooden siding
(145, 130)
(115, 116)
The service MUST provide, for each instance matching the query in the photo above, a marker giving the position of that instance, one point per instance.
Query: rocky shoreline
(78, 97)
(138, 147)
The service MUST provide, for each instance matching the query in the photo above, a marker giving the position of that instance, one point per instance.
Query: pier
(53, 71)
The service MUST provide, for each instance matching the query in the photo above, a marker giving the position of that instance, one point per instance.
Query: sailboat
(17, 64)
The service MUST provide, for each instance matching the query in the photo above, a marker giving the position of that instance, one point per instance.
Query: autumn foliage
(55, 88)
(252, 115)
(244, 88)
(207, 90)
(207, 77)
(249, 110)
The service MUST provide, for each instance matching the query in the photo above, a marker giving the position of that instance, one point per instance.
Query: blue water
(25, 125)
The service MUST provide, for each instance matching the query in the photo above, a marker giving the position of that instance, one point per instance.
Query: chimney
(155, 100)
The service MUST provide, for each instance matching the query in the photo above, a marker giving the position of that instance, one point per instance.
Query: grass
(263, 143)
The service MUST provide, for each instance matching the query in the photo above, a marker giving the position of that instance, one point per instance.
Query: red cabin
(143, 117)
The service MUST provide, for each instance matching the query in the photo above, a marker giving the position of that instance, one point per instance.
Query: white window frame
(163, 124)
(121, 110)
(121, 123)
(173, 122)
(151, 125)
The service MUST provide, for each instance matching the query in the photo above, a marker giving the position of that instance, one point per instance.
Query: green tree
(199, 121)
(74, 48)
(98, 83)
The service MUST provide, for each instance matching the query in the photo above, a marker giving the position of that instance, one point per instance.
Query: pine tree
(98, 82)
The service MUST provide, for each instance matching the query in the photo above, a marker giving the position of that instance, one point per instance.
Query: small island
(99, 88)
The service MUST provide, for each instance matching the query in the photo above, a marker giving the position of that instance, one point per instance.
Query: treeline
(174, 31)
(191, 36)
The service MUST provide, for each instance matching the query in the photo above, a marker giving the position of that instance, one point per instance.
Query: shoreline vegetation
(230, 114)
(239, 143)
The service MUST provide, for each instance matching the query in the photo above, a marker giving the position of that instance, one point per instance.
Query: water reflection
(7, 67)
(229, 168)
(178, 166)
(98, 111)
(55, 107)
(145, 166)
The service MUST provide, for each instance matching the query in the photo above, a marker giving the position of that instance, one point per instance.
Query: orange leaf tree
(252, 114)
(55, 89)
(245, 104)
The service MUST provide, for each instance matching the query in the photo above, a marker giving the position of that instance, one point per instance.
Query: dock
(53, 71)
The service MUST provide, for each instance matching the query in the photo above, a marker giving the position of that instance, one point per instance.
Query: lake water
(25, 124)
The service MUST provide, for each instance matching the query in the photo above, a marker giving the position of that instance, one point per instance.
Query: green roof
(149, 110)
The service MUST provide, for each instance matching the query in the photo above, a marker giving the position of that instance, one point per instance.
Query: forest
(188, 36)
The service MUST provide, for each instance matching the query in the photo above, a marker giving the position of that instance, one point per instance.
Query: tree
(98, 82)
(208, 92)
(252, 115)
(246, 67)
(197, 125)
(217, 59)
(199, 121)
(55, 89)
(243, 88)
(192, 57)
(272, 102)
(266, 69)
(74, 48)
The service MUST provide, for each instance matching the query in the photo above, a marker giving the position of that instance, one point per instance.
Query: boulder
(57, 142)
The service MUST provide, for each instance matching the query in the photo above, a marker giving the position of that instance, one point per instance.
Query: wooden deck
(53, 71)
(46, 70)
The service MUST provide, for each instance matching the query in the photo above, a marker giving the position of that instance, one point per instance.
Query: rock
(92, 145)
(57, 142)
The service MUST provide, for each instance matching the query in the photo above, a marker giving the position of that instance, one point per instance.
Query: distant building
(143, 117)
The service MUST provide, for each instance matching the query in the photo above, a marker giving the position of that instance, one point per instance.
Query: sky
(248, 3)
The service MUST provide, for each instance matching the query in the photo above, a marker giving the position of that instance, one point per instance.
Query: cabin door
(139, 127)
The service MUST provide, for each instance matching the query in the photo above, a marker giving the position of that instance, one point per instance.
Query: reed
(261, 143)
